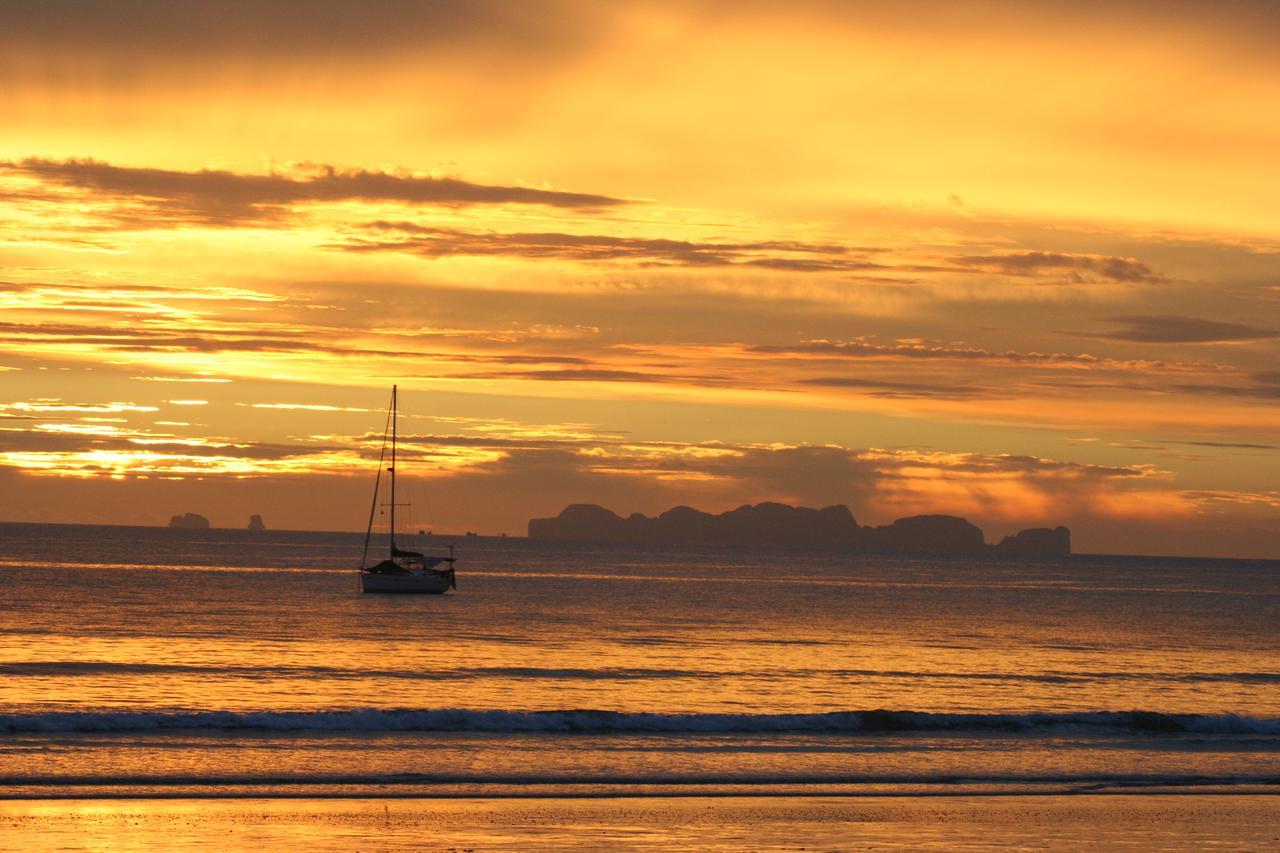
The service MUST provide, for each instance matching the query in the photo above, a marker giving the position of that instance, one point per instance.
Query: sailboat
(401, 571)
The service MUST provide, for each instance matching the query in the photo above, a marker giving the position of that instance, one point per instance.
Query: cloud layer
(900, 256)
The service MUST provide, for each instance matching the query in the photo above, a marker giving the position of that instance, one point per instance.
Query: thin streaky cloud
(214, 196)
(441, 242)
(1174, 329)
(1035, 263)
(1227, 445)
(1259, 392)
(867, 349)
(901, 390)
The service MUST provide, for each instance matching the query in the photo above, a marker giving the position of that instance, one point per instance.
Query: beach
(1054, 822)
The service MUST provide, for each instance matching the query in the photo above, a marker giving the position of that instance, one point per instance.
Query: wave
(101, 668)
(1080, 782)
(593, 722)
(66, 668)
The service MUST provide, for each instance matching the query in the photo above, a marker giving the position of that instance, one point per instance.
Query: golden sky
(1017, 261)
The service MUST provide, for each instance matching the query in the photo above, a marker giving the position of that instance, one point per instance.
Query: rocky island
(780, 524)
(189, 521)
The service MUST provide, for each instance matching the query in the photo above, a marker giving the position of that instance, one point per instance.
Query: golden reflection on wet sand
(1147, 822)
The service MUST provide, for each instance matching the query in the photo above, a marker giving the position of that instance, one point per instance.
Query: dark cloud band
(223, 197)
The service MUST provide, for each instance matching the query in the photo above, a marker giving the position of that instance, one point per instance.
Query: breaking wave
(590, 722)
(257, 671)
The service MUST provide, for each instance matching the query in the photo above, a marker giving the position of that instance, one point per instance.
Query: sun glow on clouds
(974, 239)
(893, 478)
(53, 405)
(143, 463)
(309, 407)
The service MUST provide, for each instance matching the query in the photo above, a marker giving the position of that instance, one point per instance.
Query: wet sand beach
(1054, 822)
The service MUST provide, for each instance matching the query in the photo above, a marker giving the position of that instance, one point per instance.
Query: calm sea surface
(138, 660)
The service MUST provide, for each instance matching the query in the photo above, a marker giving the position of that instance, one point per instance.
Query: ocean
(157, 663)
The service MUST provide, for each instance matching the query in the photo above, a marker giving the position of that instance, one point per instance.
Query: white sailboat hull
(428, 582)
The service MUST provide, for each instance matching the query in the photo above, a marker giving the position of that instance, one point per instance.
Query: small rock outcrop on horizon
(1037, 542)
(927, 534)
(255, 523)
(780, 524)
(189, 521)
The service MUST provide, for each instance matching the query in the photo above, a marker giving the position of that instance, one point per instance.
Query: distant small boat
(402, 571)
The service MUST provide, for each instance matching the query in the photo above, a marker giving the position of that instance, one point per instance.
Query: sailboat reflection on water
(402, 571)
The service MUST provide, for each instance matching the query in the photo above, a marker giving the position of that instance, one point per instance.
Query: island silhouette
(780, 524)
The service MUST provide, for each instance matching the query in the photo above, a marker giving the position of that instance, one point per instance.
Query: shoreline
(586, 791)
(700, 795)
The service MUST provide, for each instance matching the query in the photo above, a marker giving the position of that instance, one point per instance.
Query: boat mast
(377, 490)
(392, 469)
